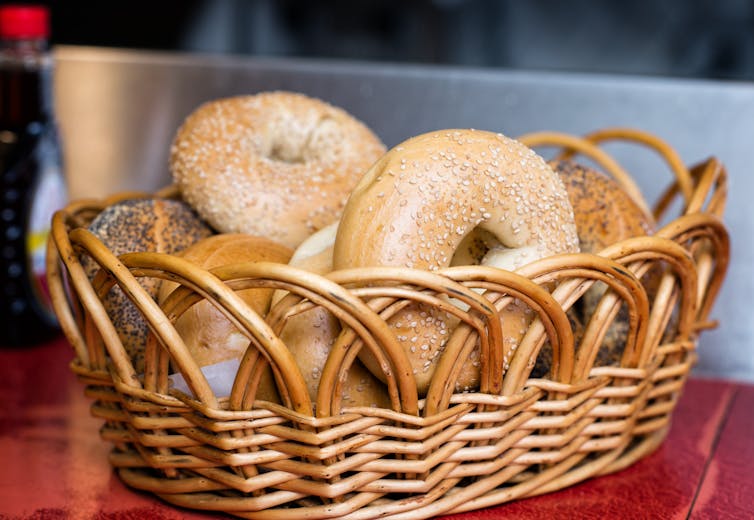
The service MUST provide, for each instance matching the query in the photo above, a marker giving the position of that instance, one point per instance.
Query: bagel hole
(474, 246)
(282, 151)
(305, 145)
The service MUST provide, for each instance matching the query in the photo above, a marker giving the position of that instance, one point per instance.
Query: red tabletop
(53, 464)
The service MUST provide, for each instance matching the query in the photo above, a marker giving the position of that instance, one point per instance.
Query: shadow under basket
(308, 456)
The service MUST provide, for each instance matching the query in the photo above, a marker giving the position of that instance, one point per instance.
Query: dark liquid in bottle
(25, 316)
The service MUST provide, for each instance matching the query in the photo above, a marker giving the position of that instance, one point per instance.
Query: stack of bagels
(282, 177)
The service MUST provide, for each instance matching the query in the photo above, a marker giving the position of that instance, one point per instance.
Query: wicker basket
(516, 437)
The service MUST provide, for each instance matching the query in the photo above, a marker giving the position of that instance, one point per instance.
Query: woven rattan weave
(517, 436)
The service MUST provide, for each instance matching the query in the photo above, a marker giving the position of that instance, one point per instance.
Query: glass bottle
(30, 173)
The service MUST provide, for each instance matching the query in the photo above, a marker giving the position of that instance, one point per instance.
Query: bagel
(418, 202)
(141, 225)
(277, 164)
(315, 253)
(209, 336)
(604, 214)
(310, 337)
(416, 205)
(311, 334)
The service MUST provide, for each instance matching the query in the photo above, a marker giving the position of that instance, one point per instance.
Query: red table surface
(53, 464)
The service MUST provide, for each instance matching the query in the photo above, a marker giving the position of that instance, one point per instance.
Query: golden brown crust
(141, 225)
(209, 336)
(276, 164)
(418, 203)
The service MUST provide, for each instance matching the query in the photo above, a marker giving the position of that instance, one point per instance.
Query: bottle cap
(24, 21)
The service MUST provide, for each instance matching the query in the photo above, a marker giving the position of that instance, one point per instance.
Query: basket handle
(704, 231)
(88, 298)
(422, 286)
(576, 272)
(210, 286)
(589, 149)
(711, 175)
(667, 152)
(58, 250)
(197, 286)
(500, 286)
(638, 254)
(78, 214)
(349, 308)
(119, 271)
(710, 184)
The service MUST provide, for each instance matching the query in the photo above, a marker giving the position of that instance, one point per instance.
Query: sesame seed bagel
(415, 206)
(276, 164)
(141, 225)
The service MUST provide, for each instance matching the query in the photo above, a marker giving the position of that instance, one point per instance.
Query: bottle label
(49, 196)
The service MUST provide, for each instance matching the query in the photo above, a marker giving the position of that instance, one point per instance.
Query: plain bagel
(311, 334)
(209, 336)
(276, 164)
(415, 206)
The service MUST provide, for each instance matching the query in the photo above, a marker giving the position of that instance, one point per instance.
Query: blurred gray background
(694, 38)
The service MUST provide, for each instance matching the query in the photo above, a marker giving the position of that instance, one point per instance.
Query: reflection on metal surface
(118, 112)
